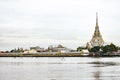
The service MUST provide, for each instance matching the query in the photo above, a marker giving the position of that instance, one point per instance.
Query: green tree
(118, 48)
(95, 49)
(109, 48)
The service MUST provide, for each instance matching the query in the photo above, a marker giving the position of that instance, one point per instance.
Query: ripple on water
(103, 64)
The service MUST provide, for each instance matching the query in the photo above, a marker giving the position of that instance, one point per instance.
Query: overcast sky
(25, 23)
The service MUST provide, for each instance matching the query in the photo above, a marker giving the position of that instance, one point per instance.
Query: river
(59, 68)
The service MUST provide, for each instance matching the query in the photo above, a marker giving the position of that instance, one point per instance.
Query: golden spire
(97, 31)
(97, 38)
(96, 19)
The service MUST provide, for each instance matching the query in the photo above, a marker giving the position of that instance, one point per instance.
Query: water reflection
(103, 64)
(99, 74)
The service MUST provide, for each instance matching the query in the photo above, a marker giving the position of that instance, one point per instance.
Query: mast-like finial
(96, 19)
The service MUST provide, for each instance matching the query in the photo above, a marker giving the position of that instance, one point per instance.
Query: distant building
(97, 39)
(58, 48)
(37, 48)
(30, 51)
(84, 52)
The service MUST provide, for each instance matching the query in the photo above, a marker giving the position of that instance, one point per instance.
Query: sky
(26, 23)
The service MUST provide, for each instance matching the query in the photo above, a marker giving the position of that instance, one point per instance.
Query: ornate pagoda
(97, 39)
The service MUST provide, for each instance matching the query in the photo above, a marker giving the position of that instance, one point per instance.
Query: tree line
(104, 49)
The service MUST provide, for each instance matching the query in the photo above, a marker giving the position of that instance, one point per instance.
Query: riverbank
(41, 55)
(52, 55)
